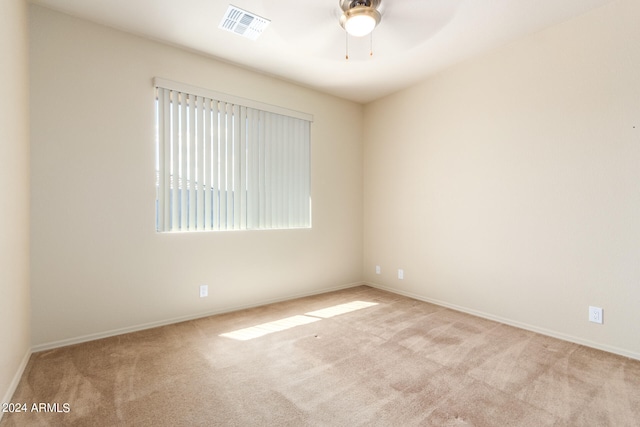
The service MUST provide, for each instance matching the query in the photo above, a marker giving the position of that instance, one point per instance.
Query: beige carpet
(399, 362)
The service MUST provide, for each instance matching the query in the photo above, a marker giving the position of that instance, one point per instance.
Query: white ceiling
(304, 42)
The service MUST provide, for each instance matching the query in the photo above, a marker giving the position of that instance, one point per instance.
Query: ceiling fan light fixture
(360, 20)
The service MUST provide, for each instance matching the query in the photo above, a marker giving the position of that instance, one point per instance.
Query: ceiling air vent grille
(243, 23)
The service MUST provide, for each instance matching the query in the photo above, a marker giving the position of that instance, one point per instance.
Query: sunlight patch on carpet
(325, 313)
(293, 321)
(269, 327)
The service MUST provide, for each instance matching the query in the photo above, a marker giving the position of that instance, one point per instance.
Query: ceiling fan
(359, 18)
(321, 27)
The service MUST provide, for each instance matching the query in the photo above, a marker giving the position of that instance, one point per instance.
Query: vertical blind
(224, 163)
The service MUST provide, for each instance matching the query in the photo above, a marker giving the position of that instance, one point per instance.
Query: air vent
(243, 23)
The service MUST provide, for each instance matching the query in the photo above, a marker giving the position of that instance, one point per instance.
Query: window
(226, 163)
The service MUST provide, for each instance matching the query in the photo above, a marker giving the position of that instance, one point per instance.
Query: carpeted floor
(357, 357)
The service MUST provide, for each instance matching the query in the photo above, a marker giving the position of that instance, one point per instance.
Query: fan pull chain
(371, 44)
(346, 45)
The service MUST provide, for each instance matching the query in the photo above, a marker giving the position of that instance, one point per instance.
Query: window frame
(254, 141)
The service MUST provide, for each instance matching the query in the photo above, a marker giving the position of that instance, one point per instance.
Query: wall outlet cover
(204, 291)
(595, 314)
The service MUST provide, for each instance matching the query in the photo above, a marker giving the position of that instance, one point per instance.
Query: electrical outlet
(400, 274)
(595, 314)
(377, 269)
(204, 291)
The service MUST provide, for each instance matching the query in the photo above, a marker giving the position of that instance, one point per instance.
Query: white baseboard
(525, 326)
(16, 380)
(140, 327)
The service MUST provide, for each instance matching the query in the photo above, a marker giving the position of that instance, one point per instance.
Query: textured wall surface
(508, 185)
(98, 265)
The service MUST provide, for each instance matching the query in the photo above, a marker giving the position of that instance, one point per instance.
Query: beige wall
(509, 185)
(14, 187)
(98, 266)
